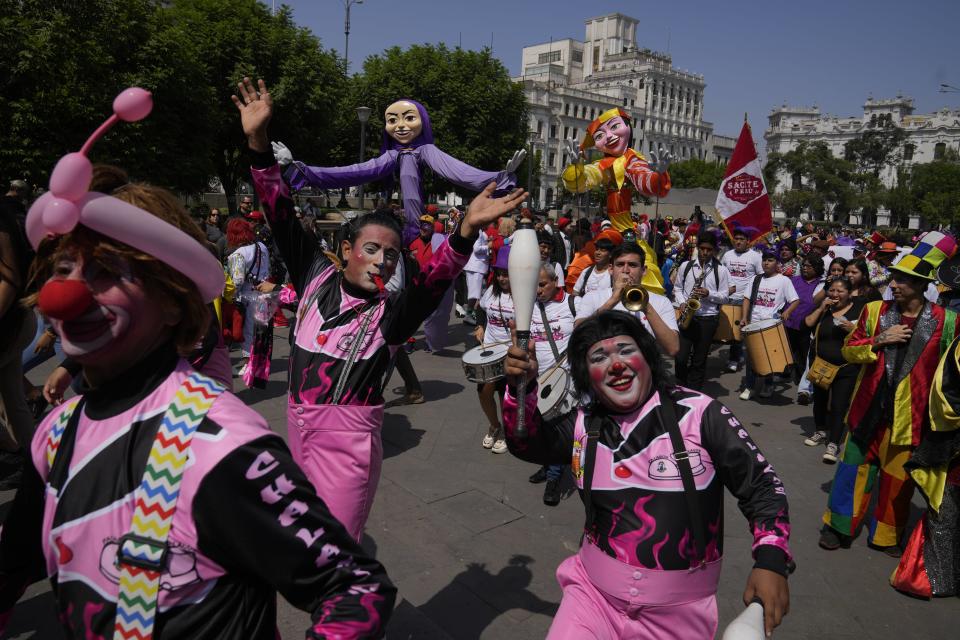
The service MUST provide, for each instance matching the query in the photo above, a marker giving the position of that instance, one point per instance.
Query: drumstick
(523, 267)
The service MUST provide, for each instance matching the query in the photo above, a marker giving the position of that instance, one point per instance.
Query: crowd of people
(153, 461)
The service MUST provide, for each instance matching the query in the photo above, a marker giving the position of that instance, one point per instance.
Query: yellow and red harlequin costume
(888, 411)
(612, 172)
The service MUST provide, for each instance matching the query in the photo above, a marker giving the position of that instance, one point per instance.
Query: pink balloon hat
(69, 203)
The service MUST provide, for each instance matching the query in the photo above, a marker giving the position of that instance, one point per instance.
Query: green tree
(478, 114)
(876, 149)
(935, 187)
(694, 173)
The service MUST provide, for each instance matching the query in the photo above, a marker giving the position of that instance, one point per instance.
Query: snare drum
(767, 346)
(555, 395)
(728, 329)
(485, 363)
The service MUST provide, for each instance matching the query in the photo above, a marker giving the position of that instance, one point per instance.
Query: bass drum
(555, 395)
(767, 346)
(485, 363)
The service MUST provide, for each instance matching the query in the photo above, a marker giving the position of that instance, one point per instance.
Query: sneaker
(745, 394)
(830, 455)
(733, 367)
(831, 540)
(487, 441)
(499, 446)
(414, 397)
(470, 318)
(803, 398)
(460, 311)
(539, 477)
(817, 438)
(551, 493)
(766, 391)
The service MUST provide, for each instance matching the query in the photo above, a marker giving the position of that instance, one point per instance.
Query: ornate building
(568, 83)
(928, 136)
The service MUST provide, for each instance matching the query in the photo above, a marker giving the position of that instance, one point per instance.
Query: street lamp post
(363, 115)
(346, 33)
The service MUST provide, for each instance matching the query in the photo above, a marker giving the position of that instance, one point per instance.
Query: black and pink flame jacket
(640, 514)
(248, 524)
(332, 309)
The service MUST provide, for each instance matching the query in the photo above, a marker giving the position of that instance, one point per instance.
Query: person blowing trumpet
(656, 315)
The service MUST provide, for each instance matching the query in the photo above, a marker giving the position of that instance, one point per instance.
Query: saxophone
(693, 302)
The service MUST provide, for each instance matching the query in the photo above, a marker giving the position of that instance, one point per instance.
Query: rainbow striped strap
(142, 552)
(55, 435)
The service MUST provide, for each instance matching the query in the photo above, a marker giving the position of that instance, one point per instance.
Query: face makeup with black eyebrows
(402, 121)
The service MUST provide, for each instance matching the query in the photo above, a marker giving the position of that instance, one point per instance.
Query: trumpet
(634, 298)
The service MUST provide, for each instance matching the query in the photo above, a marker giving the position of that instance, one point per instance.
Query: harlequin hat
(922, 261)
(603, 117)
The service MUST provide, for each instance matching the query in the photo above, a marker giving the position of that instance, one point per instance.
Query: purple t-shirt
(805, 290)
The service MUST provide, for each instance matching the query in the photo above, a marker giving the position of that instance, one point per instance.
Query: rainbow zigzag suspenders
(142, 552)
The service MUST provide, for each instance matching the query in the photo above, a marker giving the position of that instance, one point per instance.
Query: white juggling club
(523, 265)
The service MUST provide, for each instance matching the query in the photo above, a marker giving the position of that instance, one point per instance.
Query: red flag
(743, 202)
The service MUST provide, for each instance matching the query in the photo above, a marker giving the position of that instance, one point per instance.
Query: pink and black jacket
(330, 321)
(640, 516)
(248, 524)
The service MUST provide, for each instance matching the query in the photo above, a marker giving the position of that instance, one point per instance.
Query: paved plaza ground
(473, 549)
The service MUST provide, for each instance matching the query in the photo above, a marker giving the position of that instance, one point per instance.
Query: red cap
(563, 223)
(255, 215)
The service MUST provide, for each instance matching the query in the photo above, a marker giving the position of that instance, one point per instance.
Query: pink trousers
(605, 599)
(340, 451)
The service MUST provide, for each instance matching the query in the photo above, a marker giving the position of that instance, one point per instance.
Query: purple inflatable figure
(407, 143)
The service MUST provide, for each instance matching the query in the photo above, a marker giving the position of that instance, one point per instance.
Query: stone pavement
(473, 549)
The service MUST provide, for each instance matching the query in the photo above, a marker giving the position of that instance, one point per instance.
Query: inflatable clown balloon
(408, 147)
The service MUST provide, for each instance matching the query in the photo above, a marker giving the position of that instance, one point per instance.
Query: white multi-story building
(568, 83)
(927, 136)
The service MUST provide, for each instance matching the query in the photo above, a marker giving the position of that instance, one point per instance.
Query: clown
(156, 501)
(348, 329)
(612, 134)
(407, 145)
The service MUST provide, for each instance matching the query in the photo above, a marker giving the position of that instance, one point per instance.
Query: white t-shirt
(479, 260)
(591, 303)
(773, 295)
(596, 280)
(743, 267)
(499, 310)
(560, 318)
(245, 270)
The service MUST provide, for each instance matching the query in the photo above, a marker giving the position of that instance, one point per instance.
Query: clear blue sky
(753, 55)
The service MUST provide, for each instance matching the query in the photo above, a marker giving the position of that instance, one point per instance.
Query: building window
(596, 58)
(576, 133)
(566, 132)
(539, 128)
(650, 146)
(549, 197)
(550, 56)
(553, 131)
(633, 102)
(553, 159)
(939, 150)
(908, 152)
(577, 56)
(641, 125)
(797, 181)
(566, 109)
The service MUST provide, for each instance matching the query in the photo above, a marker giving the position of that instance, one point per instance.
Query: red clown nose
(64, 299)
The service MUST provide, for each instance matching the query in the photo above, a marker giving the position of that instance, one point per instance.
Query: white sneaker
(830, 455)
(818, 437)
(461, 311)
(500, 446)
(487, 441)
(732, 367)
(745, 394)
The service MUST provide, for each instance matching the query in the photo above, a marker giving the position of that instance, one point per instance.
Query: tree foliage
(695, 173)
(876, 149)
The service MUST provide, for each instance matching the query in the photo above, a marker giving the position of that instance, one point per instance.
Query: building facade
(928, 136)
(568, 83)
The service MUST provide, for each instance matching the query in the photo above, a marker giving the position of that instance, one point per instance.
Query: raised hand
(516, 160)
(573, 150)
(484, 209)
(282, 153)
(660, 160)
(256, 109)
